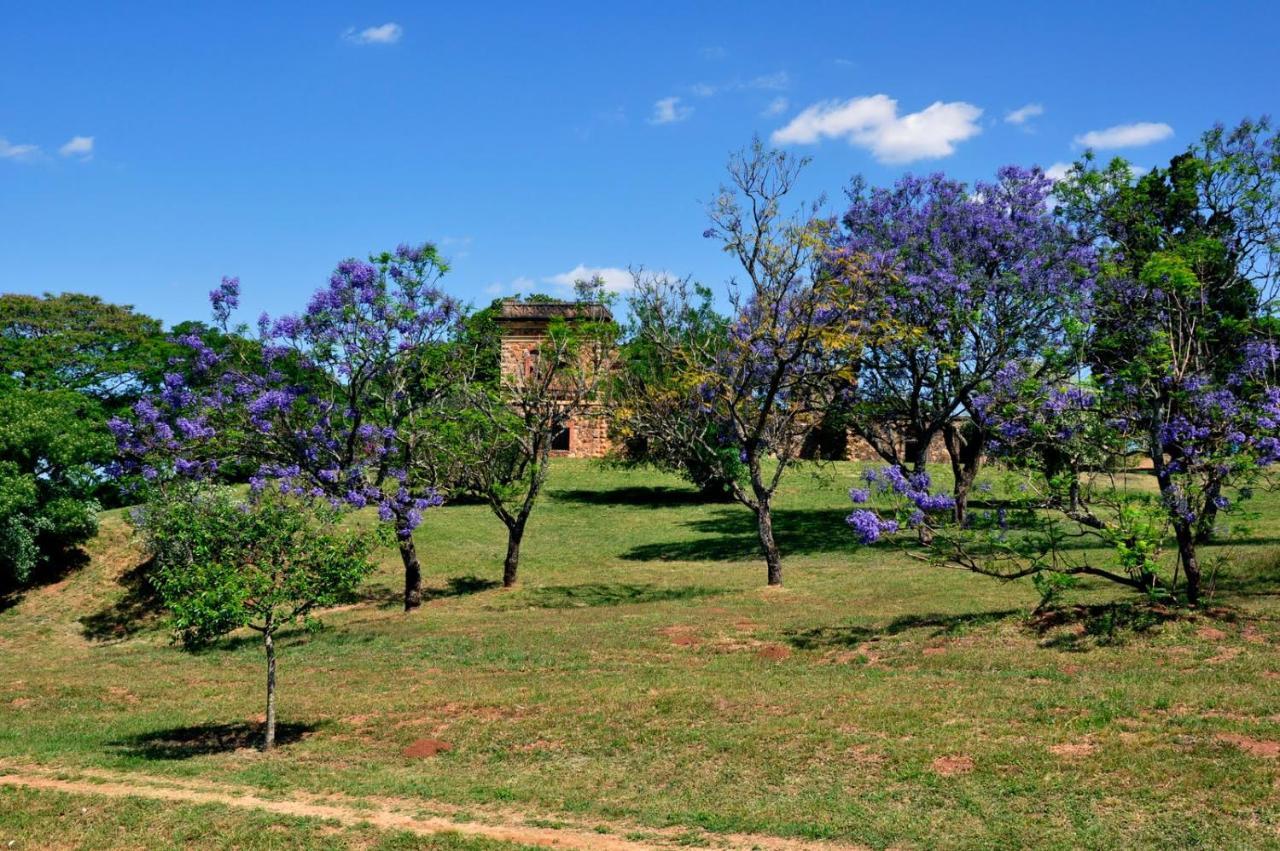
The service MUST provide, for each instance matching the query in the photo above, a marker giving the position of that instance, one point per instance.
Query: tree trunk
(515, 533)
(412, 575)
(964, 448)
(772, 558)
(1209, 517)
(1190, 561)
(269, 740)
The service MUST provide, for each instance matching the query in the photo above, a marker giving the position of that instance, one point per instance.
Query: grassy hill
(643, 684)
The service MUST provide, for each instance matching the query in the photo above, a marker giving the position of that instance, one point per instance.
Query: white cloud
(1126, 135)
(1023, 114)
(669, 111)
(615, 280)
(775, 82)
(388, 33)
(873, 123)
(703, 90)
(777, 106)
(78, 146)
(1057, 171)
(19, 153)
(520, 284)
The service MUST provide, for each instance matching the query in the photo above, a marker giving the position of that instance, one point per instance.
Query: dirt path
(384, 814)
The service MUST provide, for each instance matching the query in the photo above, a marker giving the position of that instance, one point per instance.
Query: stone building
(524, 326)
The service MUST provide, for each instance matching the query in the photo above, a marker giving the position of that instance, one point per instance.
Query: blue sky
(148, 149)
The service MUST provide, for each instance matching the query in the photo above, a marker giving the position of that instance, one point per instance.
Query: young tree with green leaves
(224, 562)
(496, 432)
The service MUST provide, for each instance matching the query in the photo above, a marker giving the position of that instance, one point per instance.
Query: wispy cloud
(874, 123)
(521, 284)
(1126, 135)
(1023, 114)
(18, 153)
(388, 33)
(776, 107)
(78, 146)
(713, 53)
(776, 82)
(616, 280)
(669, 111)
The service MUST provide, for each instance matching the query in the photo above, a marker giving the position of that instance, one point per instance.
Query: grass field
(642, 686)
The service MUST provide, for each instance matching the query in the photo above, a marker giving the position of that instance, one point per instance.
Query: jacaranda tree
(332, 402)
(762, 387)
(1177, 366)
(962, 281)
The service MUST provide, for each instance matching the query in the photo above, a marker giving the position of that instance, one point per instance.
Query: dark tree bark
(269, 740)
(412, 575)
(768, 546)
(964, 448)
(1190, 561)
(510, 566)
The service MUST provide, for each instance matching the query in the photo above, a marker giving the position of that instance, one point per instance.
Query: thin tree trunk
(269, 740)
(964, 448)
(1209, 518)
(772, 558)
(515, 533)
(1190, 561)
(412, 575)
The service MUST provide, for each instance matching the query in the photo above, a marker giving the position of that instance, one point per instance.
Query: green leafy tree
(495, 434)
(79, 342)
(222, 563)
(53, 444)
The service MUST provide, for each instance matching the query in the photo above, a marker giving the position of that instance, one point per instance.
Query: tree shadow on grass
(56, 569)
(454, 586)
(658, 496)
(137, 610)
(590, 595)
(827, 637)
(729, 534)
(203, 739)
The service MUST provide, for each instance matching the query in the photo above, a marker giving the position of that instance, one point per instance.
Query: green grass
(641, 674)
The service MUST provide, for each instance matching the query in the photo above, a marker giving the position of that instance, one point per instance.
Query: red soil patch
(949, 766)
(1072, 750)
(1224, 654)
(20, 702)
(1209, 633)
(774, 652)
(427, 748)
(934, 650)
(1070, 670)
(1254, 747)
(680, 635)
(1253, 635)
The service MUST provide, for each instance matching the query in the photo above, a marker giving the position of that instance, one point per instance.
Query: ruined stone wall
(589, 432)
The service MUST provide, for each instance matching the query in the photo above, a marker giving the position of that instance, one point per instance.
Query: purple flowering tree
(335, 402)
(963, 281)
(751, 396)
(1176, 372)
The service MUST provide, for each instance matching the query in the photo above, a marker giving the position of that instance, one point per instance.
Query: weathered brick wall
(521, 337)
(858, 449)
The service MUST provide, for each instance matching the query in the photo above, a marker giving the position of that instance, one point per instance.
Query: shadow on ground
(824, 637)
(729, 534)
(55, 570)
(205, 739)
(138, 609)
(589, 595)
(658, 496)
